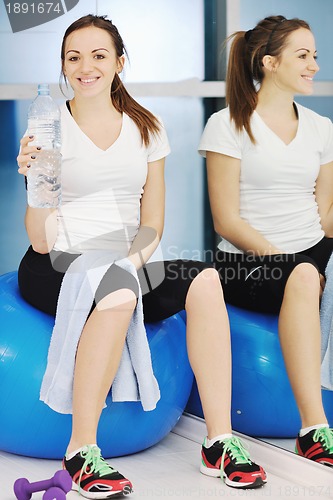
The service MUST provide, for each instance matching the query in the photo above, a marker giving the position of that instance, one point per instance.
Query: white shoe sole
(233, 484)
(100, 495)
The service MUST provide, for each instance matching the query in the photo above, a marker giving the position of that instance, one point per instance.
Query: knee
(206, 286)
(209, 274)
(304, 278)
(123, 300)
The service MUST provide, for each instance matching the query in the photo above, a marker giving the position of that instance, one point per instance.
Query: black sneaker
(229, 460)
(94, 478)
(317, 445)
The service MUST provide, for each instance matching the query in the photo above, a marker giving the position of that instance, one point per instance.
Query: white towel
(134, 380)
(326, 323)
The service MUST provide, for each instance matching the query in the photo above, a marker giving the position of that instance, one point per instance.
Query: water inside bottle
(44, 180)
(46, 131)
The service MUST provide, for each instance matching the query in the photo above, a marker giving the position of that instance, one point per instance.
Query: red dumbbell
(23, 489)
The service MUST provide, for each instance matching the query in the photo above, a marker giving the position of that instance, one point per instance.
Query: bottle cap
(43, 89)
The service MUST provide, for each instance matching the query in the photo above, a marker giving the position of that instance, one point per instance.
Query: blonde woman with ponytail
(270, 180)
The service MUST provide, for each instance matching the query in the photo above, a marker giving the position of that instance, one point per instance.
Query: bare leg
(97, 360)
(299, 328)
(208, 344)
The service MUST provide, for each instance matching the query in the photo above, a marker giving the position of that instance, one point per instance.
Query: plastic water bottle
(44, 175)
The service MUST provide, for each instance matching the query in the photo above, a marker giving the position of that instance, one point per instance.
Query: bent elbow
(327, 228)
(220, 229)
(217, 227)
(40, 247)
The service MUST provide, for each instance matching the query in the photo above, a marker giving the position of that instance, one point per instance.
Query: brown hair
(270, 36)
(146, 122)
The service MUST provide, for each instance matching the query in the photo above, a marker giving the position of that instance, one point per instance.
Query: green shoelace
(236, 450)
(325, 436)
(95, 462)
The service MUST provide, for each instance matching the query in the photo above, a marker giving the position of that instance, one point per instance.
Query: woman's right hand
(27, 154)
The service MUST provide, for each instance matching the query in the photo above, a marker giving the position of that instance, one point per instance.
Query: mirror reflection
(278, 419)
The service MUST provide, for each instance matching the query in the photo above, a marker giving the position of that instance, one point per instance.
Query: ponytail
(241, 95)
(146, 122)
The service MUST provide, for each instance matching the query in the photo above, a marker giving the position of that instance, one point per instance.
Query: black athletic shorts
(258, 283)
(164, 285)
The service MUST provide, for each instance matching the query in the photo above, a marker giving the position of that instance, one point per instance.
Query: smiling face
(295, 69)
(90, 61)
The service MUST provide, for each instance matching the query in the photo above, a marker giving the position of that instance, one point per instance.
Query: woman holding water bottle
(113, 153)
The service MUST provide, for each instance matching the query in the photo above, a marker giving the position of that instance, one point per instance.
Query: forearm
(144, 245)
(243, 236)
(41, 226)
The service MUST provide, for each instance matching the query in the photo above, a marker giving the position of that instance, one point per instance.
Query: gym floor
(170, 469)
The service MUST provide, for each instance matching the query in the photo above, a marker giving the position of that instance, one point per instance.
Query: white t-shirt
(277, 181)
(101, 190)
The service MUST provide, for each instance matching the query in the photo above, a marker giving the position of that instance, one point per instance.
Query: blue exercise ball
(263, 403)
(29, 427)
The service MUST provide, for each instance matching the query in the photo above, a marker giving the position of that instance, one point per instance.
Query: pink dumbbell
(23, 489)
